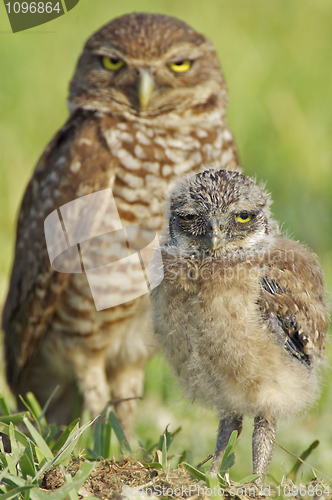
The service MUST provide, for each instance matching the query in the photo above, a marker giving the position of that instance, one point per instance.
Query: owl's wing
(292, 301)
(76, 162)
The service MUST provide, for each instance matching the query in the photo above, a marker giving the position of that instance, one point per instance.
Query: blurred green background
(277, 60)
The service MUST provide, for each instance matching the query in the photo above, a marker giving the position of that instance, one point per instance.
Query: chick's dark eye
(189, 217)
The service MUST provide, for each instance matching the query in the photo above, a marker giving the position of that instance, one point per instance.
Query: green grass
(40, 453)
(276, 56)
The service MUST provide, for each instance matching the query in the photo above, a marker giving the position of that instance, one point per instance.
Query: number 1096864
(33, 7)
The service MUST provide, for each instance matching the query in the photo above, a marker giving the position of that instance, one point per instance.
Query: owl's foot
(262, 446)
(92, 384)
(127, 382)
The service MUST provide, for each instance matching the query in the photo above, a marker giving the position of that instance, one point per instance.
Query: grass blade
(41, 418)
(152, 465)
(231, 444)
(158, 457)
(164, 451)
(97, 445)
(15, 418)
(107, 440)
(229, 458)
(64, 436)
(303, 457)
(35, 492)
(227, 463)
(66, 449)
(9, 466)
(15, 492)
(249, 479)
(186, 456)
(27, 464)
(36, 409)
(195, 472)
(39, 440)
(30, 410)
(19, 436)
(16, 447)
(212, 482)
(3, 405)
(124, 445)
(72, 493)
(168, 439)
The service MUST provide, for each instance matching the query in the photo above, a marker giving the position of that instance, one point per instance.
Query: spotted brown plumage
(147, 103)
(240, 313)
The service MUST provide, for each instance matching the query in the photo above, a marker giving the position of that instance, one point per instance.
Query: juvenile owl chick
(240, 313)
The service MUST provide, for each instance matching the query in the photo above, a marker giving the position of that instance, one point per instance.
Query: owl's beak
(217, 242)
(145, 88)
(215, 237)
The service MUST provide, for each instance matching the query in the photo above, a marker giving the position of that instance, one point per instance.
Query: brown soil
(108, 479)
(131, 480)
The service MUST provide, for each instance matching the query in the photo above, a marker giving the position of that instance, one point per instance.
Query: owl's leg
(127, 382)
(225, 429)
(92, 381)
(95, 390)
(262, 446)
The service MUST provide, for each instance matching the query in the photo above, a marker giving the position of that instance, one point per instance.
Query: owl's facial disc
(125, 79)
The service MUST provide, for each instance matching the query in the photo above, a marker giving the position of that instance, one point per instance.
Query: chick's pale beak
(145, 88)
(215, 238)
(216, 241)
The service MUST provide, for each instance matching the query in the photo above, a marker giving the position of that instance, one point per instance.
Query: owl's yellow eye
(243, 217)
(189, 217)
(112, 63)
(181, 66)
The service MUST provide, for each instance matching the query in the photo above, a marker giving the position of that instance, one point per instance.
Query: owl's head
(147, 64)
(218, 211)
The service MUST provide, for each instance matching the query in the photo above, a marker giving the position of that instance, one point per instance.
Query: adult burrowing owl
(240, 313)
(147, 103)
